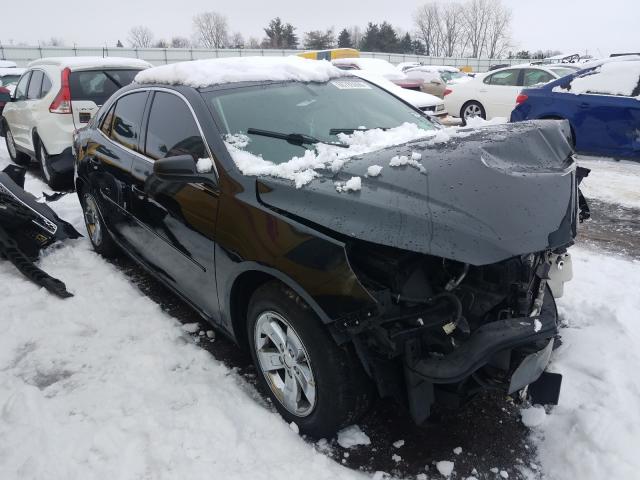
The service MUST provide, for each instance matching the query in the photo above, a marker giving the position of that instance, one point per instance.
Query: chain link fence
(158, 56)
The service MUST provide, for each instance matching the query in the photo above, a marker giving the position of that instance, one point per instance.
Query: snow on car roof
(11, 71)
(415, 98)
(613, 78)
(377, 64)
(436, 68)
(7, 64)
(81, 62)
(205, 73)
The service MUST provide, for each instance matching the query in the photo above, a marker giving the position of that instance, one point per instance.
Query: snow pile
(374, 170)
(354, 184)
(204, 165)
(611, 181)
(302, 170)
(352, 436)
(593, 433)
(401, 160)
(615, 78)
(533, 416)
(204, 73)
(445, 468)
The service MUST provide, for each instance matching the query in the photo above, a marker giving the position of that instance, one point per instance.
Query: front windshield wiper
(336, 131)
(293, 138)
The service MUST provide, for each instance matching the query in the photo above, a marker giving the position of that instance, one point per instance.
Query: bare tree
(140, 37)
(180, 42)
(498, 34)
(53, 42)
(427, 19)
(356, 36)
(211, 29)
(237, 40)
(451, 26)
(476, 16)
(253, 43)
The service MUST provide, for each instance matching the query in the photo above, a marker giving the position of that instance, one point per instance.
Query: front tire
(16, 156)
(312, 381)
(472, 109)
(98, 235)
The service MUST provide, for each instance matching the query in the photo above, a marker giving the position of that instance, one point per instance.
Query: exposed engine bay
(448, 329)
(28, 226)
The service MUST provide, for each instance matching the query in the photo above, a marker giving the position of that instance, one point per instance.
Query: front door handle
(139, 193)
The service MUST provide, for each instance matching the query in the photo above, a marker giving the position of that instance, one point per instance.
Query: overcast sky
(601, 27)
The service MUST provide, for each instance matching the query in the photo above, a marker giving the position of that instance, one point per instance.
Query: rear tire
(307, 356)
(98, 235)
(472, 109)
(16, 156)
(53, 179)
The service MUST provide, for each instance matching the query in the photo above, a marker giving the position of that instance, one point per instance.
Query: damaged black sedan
(355, 247)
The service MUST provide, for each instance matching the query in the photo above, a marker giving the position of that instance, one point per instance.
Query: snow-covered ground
(107, 385)
(616, 182)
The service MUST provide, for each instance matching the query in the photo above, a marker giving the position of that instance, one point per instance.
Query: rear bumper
(62, 164)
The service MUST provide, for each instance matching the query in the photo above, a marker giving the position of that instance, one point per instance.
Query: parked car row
(53, 98)
(310, 215)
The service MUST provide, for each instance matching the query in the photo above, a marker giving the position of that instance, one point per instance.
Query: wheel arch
(246, 283)
(467, 102)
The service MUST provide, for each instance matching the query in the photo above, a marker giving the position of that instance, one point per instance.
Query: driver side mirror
(181, 168)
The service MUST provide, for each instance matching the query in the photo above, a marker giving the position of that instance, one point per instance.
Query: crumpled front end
(448, 330)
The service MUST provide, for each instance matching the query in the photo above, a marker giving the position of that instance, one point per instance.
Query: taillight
(521, 98)
(62, 102)
(447, 91)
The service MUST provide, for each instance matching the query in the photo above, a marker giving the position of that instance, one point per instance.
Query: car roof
(7, 64)
(436, 68)
(80, 63)
(11, 71)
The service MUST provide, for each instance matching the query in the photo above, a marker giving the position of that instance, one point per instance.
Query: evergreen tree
(344, 39)
(280, 35)
(119, 44)
(406, 45)
(319, 40)
(387, 38)
(417, 47)
(370, 40)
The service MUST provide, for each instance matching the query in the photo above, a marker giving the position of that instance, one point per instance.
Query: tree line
(463, 28)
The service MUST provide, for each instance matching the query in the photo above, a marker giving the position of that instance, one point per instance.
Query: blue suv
(602, 104)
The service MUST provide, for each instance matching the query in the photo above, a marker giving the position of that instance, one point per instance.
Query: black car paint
(257, 229)
(456, 208)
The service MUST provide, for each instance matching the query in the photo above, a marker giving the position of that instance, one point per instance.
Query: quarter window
(21, 89)
(172, 129)
(506, 78)
(107, 122)
(46, 85)
(127, 118)
(35, 85)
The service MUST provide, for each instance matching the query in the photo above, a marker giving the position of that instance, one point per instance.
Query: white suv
(55, 97)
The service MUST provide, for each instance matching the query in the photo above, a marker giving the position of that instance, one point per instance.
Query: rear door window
(98, 85)
(127, 119)
(35, 85)
(172, 129)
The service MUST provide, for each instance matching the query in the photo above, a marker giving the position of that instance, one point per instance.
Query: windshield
(7, 80)
(318, 110)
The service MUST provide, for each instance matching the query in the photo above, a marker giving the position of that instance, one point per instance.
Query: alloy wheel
(472, 110)
(92, 219)
(43, 162)
(285, 363)
(11, 144)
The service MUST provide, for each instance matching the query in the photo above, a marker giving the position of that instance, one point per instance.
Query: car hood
(484, 196)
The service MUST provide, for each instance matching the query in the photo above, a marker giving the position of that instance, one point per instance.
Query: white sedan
(429, 104)
(493, 94)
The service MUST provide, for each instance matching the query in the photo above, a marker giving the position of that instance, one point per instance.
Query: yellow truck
(332, 54)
